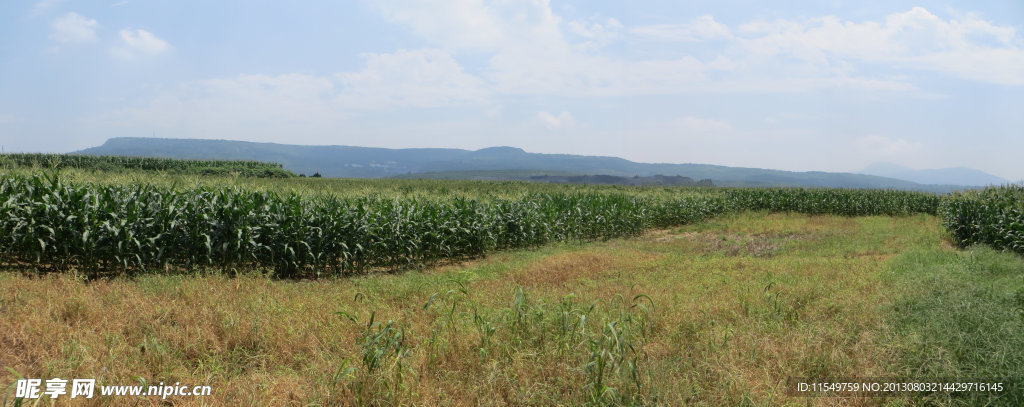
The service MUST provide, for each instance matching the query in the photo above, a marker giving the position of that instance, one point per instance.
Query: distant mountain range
(558, 177)
(368, 162)
(955, 176)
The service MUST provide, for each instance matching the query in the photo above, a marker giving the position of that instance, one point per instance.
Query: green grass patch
(960, 316)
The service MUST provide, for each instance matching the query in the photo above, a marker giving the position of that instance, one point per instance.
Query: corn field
(169, 165)
(992, 216)
(47, 223)
(843, 202)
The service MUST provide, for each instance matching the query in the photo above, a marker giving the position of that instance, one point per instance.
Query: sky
(796, 85)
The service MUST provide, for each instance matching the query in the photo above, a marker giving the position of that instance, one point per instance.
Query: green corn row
(843, 202)
(992, 216)
(45, 222)
(170, 165)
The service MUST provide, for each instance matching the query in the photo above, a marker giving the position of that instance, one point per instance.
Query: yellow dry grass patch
(559, 269)
(229, 333)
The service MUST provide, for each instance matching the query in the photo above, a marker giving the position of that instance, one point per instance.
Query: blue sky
(812, 85)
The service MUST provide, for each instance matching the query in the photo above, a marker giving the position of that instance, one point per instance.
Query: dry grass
(780, 296)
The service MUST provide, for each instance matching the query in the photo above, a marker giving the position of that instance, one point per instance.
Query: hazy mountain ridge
(955, 176)
(370, 162)
(561, 177)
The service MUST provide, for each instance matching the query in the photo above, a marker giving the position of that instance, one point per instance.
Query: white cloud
(596, 34)
(421, 78)
(258, 107)
(448, 23)
(139, 42)
(143, 41)
(525, 40)
(265, 106)
(7, 118)
(44, 6)
(562, 121)
(531, 50)
(970, 48)
(884, 146)
(72, 28)
(594, 29)
(702, 28)
(699, 125)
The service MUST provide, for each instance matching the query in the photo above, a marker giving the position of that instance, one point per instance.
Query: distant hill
(954, 176)
(368, 162)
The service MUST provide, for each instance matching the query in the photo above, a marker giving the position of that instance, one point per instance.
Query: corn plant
(993, 216)
(617, 353)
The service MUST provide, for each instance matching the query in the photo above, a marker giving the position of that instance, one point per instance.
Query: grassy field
(716, 313)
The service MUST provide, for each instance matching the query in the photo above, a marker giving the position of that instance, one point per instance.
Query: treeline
(992, 216)
(47, 223)
(242, 168)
